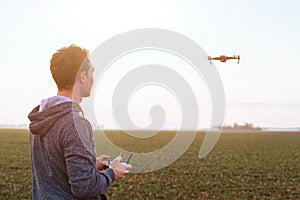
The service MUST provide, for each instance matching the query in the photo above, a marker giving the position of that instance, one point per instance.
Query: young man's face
(88, 82)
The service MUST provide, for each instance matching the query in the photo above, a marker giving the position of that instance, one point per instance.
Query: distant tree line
(246, 126)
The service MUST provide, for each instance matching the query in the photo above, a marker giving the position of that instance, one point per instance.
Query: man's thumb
(116, 162)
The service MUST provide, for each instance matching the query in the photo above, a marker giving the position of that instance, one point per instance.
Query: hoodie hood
(44, 116)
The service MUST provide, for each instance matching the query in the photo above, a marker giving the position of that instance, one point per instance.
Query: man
(63, 157)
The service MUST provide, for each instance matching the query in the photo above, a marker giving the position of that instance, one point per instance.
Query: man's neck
(69, 93)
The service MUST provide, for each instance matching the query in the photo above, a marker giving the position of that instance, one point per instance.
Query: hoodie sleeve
(77, 145)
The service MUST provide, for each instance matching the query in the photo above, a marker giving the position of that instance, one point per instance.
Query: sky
(263, 89)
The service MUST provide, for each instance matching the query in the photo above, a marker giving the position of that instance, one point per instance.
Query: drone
(224, 58)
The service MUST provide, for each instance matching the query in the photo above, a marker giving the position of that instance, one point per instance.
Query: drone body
(224, 58)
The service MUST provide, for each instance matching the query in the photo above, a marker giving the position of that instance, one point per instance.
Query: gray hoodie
(63, 157)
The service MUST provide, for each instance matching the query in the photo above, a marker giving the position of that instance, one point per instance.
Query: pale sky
(262, 89)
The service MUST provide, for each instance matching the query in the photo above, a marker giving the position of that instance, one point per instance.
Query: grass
(248, 165)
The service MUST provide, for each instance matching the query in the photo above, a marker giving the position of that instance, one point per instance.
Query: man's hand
(101, 162)
(120, 169)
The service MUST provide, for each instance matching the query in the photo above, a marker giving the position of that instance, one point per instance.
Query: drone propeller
(224, 58)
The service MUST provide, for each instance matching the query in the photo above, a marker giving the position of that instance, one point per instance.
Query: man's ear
(83, 76)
